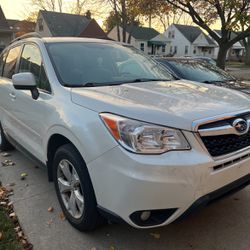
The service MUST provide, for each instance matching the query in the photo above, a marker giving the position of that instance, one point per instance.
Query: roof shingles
(192, 32)
(63, 24)
(142, 33)
(4, 26)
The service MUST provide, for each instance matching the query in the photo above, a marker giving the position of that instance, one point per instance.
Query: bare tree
(230, 13)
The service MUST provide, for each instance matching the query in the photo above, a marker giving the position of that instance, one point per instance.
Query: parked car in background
(120, 137)
(205, 59)
(193, 70)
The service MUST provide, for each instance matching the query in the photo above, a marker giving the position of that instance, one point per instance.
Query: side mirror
(26, 81)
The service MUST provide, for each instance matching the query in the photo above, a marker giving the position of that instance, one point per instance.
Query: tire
(4, 143)
(83, 217)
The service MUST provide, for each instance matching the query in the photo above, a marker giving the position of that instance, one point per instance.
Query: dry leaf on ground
(62, 216)
(156, 235)
(50, 209)
(5, 154)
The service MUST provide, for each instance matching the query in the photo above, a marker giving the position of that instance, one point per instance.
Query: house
(6, 34)
(189, 40)
(236, 52)
(51, 24)
(21, 27)
(148, 40)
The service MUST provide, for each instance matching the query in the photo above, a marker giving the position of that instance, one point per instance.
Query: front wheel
(74, 189)
(4, 143)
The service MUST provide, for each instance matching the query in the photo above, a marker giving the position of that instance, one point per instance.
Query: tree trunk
(221, 60)
(124, 21)
(247, 58)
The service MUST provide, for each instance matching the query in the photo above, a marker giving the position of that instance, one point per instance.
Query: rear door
(8, 67)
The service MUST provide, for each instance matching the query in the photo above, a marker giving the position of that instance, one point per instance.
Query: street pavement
(222, 225)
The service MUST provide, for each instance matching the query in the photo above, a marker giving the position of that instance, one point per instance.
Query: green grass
(9, 241)
(237, 65)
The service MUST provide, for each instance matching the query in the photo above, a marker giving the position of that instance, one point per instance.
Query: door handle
(13, 96)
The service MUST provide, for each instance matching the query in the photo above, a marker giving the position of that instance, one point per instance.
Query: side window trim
(42, 65)
(4, 55)
(18, 57)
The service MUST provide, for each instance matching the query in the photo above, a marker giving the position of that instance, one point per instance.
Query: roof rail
(28, 35)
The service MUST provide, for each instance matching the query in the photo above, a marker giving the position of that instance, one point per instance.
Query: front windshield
(80, 63)
(200, 72)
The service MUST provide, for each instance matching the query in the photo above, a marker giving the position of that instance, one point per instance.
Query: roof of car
(75, 39)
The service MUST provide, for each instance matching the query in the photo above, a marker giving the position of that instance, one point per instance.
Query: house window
(186, 50)
(169, 34)
(173, 34)
(142, 46)
(163, 48)
(194, 51)
(171, 49)
(210, 51)
(175, 49)
(40, 24)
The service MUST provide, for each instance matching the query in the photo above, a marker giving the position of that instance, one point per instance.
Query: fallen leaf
(20, 234)
(24, 242)
(10, 204)
(3, 203)
(23, 176)
(5, 154)
(156, 235)
(50, 222)
(1, 236)
(50, 209)
(12, 215)
(17, 229)
(62, 216)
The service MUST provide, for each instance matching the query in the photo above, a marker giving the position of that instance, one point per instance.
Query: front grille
(225, 144)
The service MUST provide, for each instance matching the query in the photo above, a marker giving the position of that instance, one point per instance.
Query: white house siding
(202, 47)
(45, 32)
(138, 43)
(178, 41)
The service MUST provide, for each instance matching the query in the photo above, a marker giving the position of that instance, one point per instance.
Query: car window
(2, 61)
(79, 63)
(200, 72)
(31, 61)
(10, 62)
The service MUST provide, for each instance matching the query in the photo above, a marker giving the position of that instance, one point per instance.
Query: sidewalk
(240, 73)
(223, 225)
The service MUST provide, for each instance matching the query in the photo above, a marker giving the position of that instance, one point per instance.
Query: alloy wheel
(70, 188)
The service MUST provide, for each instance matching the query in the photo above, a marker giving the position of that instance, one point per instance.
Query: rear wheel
(74, 189)
(4, 143)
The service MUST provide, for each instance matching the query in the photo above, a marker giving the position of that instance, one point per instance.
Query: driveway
(222, 225)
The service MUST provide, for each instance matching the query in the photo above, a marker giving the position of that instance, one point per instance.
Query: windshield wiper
(147, 80)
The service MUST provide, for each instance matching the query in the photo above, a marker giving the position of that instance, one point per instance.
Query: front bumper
(125, 182)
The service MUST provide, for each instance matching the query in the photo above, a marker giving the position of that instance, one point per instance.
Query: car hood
(172, 103)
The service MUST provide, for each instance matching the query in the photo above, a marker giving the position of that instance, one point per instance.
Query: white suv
(121, 138)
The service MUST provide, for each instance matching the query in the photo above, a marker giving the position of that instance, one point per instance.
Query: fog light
(145, 215)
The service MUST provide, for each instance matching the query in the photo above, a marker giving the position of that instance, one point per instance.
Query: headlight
(144, 138)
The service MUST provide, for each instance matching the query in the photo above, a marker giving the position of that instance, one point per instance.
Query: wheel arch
(57, 137)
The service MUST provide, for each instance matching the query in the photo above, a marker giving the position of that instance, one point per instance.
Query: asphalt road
(222, 225)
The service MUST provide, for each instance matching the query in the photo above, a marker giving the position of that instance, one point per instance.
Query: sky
(14, 9)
